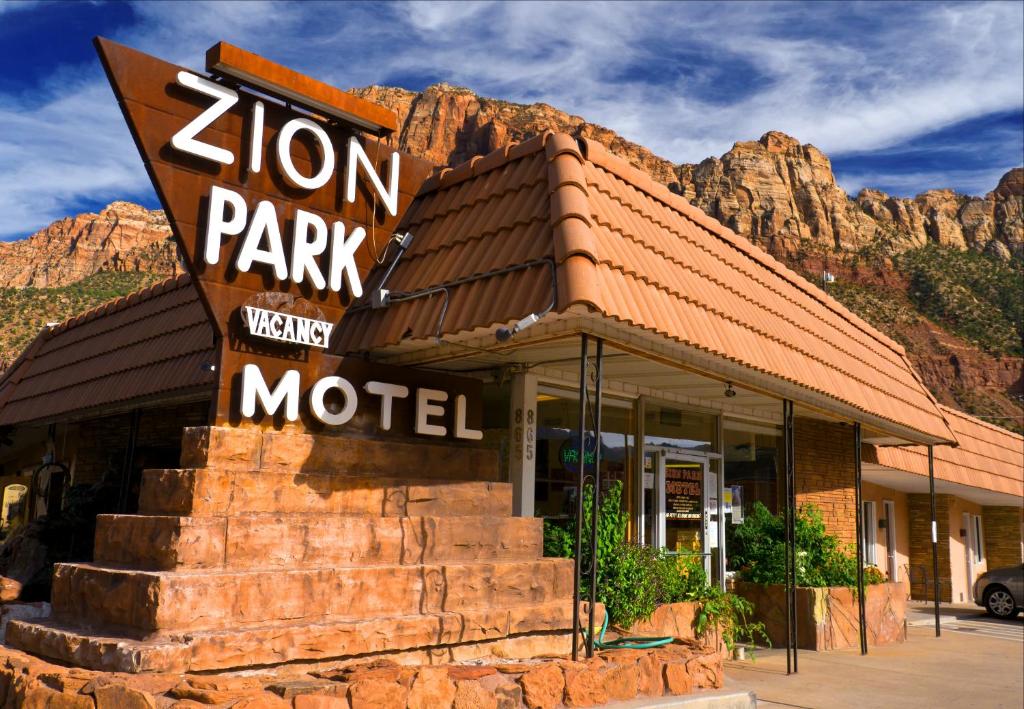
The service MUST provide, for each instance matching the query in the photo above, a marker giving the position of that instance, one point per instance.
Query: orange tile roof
(631, 250)
(988, 456)
(149, 343)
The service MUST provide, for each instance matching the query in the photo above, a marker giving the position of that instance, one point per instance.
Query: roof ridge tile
(894, 358)
(573, 240)
(621, 168)
(718, 312)
(975, 420)
(736, 292)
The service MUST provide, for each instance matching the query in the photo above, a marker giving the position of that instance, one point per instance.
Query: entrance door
(680, 505)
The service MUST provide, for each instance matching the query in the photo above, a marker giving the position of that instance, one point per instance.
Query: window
(870, 533)
(557, 466)
(753, 462)
(979, 553)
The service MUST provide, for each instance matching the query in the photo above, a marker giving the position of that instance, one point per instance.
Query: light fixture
(729, 391)
(504, 334)
(280, 81)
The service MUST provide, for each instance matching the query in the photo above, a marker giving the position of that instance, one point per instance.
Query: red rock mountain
(122, 237)
(775, 191)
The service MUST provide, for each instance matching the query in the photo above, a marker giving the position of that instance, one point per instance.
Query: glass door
(680, 505)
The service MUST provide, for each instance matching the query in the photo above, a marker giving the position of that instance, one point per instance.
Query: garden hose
(628, 643)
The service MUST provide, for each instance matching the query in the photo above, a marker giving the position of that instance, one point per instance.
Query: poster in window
(683, 493)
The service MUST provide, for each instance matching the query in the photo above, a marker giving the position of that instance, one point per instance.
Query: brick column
(919, 507)
(1001, 526)
(825, 473)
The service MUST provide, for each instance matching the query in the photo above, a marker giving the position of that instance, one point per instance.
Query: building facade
(525, 280)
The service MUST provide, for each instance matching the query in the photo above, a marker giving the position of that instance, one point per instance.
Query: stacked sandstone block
(270, 547)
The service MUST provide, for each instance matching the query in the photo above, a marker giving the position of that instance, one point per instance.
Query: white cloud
(846, 77)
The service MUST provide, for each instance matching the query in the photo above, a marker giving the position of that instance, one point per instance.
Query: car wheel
(999, 603)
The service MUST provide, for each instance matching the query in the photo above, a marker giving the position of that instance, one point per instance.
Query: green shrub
(757, 551)
(633, 580)
(629, 584)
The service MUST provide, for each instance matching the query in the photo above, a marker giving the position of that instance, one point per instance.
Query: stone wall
(828, 618)
(270, 547)
(612, 676)
(919, 507)
(1001, 527)
(825, 473)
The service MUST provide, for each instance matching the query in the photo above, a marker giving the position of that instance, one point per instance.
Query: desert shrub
(633, 580)
(757, 551)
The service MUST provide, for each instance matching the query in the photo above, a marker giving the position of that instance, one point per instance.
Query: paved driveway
(978, 662)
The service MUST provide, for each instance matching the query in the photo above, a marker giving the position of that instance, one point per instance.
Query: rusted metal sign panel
(280, 202)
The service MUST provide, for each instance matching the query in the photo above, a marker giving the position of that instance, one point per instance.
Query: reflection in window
(753, 462)
(558, 452)
(668, 427)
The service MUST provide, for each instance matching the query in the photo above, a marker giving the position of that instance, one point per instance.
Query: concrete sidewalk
(957, 670)
(920, 613)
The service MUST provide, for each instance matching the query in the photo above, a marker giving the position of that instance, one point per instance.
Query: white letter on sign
(425, 408)
(284, 154)
(264, 221)
(343, 258)
(303, 251)
(461, 431)
(253, 388)
(185, 139)
(316, 401)
(387, 393)
(256, 143)
(356, 157)
(217, 223)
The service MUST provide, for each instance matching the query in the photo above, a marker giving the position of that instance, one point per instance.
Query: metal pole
(791, 467)
(599, 357)
(787, 422)
(579, 503)
(793, 532)
(935, 540)
(860, 542)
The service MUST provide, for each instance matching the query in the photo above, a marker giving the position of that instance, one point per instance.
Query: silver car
(1001, 591)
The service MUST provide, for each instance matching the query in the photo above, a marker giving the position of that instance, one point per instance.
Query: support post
(935, 540)
(598, 360)
(790, 535)
(578, 549)
(523, 451)
(862, 622)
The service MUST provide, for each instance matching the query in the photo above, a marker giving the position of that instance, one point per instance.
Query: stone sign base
(827, 618)
(612, 676)
(270, 547)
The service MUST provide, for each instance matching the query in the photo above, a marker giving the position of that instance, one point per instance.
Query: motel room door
(680, 505)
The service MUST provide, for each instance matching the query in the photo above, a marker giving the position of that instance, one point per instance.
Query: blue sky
(903, 97)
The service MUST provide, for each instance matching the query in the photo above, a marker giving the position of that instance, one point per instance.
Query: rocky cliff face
(775, 191)
(448, 125)
(122, 237)
(783, 195)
